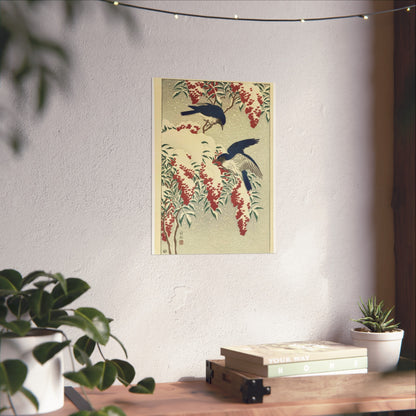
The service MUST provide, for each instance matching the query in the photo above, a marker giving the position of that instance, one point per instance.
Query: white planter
(44, 381)
(383, 348)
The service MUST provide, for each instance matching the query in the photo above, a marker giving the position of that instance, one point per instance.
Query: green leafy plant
(375, 317)
(39, 62)
(41, 300)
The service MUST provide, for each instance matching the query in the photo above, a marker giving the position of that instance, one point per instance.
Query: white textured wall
(79, 199)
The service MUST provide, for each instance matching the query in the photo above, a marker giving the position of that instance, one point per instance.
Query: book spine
(334, 373)
(301, 368)
(313, 367)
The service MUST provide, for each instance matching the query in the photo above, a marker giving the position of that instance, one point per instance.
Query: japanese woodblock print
(212, 182)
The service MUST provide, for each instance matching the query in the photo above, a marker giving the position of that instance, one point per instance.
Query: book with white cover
(292, 352)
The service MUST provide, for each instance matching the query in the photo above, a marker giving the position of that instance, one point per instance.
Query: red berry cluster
(192, 128)
(260, 99)
(213, 190)
(235, 86)
(196, 90)
(184, 176)
(253, 115)
(242, 208)
(167, 223)
(249, 98)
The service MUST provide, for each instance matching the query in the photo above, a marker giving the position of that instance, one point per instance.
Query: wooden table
(202, 399)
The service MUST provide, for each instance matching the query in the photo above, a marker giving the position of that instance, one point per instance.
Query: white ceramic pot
(44, 381)
(383, 348)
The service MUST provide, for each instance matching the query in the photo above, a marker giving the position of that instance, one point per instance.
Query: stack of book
(296, 359)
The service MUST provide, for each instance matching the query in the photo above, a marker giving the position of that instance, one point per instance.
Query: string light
(248, 19)
(176, 17)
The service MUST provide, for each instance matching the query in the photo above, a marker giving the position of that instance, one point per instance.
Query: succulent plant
(375, 318)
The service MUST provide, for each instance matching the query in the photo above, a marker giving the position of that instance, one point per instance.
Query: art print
(212, 182)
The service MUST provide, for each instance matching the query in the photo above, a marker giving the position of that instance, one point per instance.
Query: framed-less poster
(212, 167)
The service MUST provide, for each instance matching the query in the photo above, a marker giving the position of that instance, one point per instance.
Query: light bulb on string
(248, 19)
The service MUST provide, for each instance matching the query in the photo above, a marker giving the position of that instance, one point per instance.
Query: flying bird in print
(239, 162)
(209, 110)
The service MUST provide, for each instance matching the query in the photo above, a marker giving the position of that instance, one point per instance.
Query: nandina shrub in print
(193, 183)
(253, 99)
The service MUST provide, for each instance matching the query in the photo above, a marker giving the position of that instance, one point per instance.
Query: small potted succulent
(34, 310)
(380, 335)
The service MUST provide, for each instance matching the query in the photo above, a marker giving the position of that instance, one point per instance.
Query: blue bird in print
(238, 162)
(211, 111)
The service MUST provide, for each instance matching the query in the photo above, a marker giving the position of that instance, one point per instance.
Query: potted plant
(34, 310)
(380, 335)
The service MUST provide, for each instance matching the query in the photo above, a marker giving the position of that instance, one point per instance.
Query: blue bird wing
(188, 113)
(238, 147)
(195, 109)
(208, 110)
(211, 110)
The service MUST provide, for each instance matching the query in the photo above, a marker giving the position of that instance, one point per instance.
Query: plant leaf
(105, 411)
(30, 396)
(43, 89)
(18, 326)
(110, 411)
(45, 351)
(91, 321)
(3, 312)
(53, 278)
(97, 328)
(75, 288)
(12, 375)
(40, 304)
(18, 305)
(13, 276)
(20, 73)
(120, 343)
(31, 277)
(83, 349)
(108, 374)
(7, 287)
(55, 316)
(145, 386)
(125, 371)
(88, 376)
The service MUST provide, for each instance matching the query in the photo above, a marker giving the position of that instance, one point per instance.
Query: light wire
(249, 19)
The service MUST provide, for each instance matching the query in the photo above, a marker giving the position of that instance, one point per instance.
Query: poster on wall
(212, 167)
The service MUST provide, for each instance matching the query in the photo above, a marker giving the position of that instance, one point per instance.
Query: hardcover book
(292, 352)
(315, 367)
